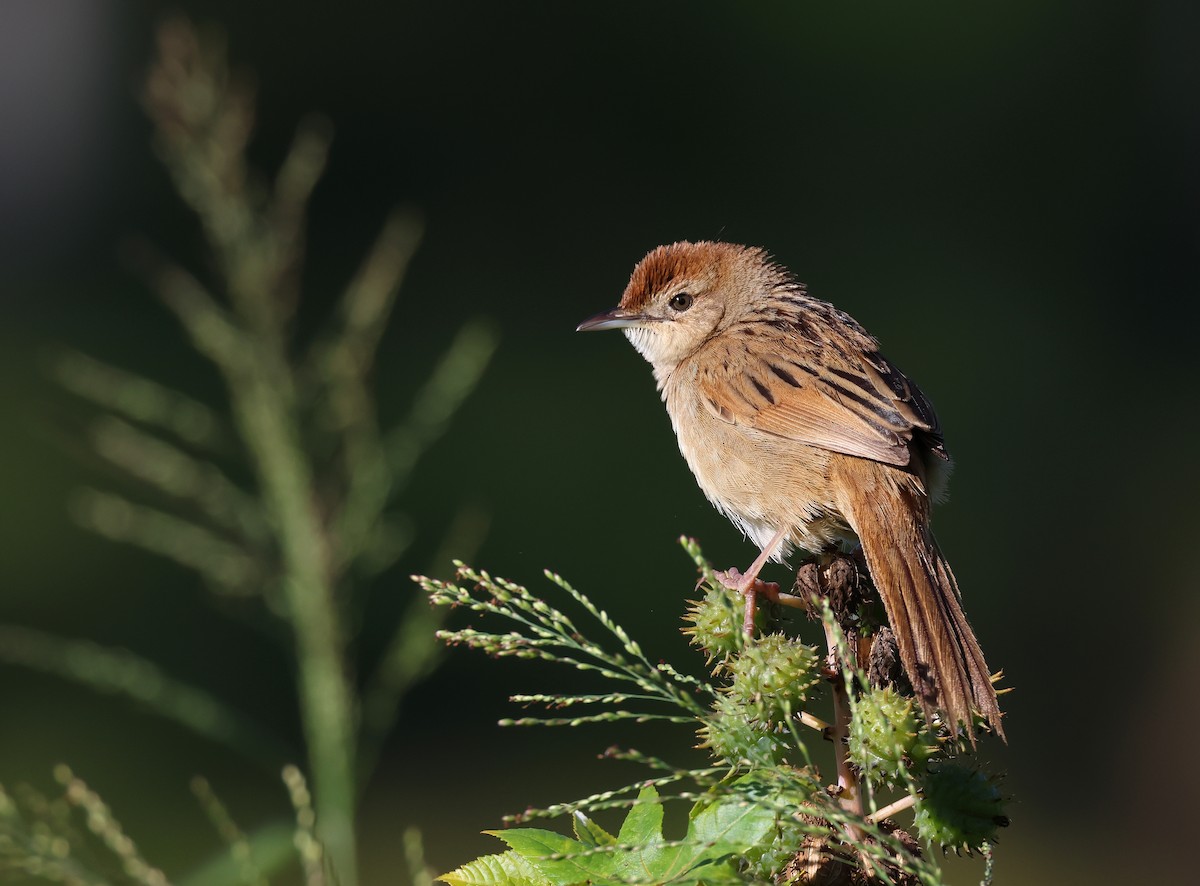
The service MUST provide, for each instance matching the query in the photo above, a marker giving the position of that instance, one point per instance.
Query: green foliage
(762, 812)
(719, 831)
(549, 634)
(505, 869)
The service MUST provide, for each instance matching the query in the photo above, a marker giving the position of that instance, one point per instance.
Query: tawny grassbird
(804, 435)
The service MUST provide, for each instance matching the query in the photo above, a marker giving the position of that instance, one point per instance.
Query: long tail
(889, 511)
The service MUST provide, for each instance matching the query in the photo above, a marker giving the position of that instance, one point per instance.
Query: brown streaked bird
(804, 435)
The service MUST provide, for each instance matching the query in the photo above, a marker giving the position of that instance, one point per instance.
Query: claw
(750, 588)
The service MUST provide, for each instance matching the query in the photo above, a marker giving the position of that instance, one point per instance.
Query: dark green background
(1005, 194)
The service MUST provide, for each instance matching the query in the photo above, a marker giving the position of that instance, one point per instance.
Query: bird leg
(749, 586)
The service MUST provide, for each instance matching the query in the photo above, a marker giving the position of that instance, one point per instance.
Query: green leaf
(505, 869)
(721, 830)
(561, 860)
(590, 833)
(643, 825)
(732, 820)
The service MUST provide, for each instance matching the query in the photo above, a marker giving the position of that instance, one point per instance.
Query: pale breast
(759, 481)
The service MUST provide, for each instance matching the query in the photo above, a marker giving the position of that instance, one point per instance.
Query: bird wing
(845, 400)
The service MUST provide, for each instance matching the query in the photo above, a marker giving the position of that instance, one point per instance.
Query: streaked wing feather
(870, 411)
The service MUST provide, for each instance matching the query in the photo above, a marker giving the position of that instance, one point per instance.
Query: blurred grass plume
(288, 491)
(69, 838)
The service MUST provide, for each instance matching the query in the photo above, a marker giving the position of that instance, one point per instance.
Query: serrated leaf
(719, 831)
(733, 821)
(712, 873)
(505, 869)
(589, 833)
(643, 824)
(560, 859)
(724, 828)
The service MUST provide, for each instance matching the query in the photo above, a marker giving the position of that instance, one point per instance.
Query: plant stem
(848, 795)
(891, 809)
(268, 424)
(262, 393)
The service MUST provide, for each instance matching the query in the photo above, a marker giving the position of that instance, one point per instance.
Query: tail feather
(890, 514)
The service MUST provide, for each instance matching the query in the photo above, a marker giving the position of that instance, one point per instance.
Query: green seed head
(771, 678)
(960, 808)
(715, 623)
(887, 736)
(732, 737)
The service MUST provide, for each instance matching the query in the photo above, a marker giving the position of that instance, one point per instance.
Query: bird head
(681, 295)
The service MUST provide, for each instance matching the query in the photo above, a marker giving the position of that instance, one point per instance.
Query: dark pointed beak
(617, 318)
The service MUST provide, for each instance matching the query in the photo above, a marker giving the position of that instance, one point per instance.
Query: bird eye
(681, 301)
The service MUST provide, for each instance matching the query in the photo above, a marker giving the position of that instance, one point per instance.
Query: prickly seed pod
(731, 736)
(960, 808)
(771, 677)
(887, 734)
(715, 623)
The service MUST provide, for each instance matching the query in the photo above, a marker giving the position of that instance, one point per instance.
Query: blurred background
(1005, 195)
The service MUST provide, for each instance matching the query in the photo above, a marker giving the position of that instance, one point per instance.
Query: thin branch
(839, 729)
(103, 824)
(211, 328)
(344, 363)
(302, 168)
(606, 717)
(240, 850)
(181, 476)
(454, 377)
(412, 651)
(891, 809)
(225, 565)
(368, 300)
(272, 847)
(308, 843)
(141, 400)
(120, 672)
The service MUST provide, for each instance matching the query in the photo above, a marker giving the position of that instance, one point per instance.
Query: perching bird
(801, 432)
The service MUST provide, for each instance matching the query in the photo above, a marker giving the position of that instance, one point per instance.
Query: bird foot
(749, 586)
(735, 581)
